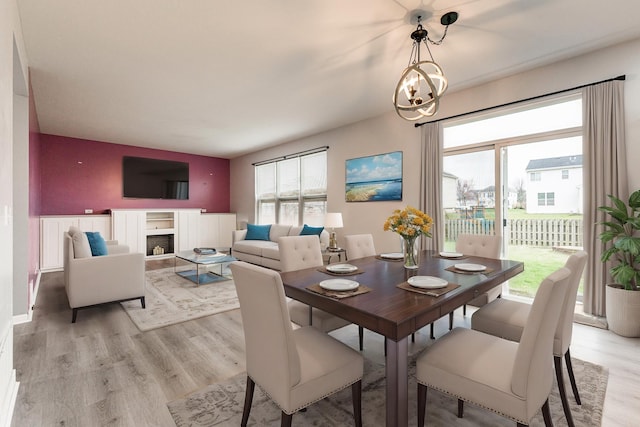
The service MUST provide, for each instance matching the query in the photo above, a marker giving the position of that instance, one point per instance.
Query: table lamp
(333, 220)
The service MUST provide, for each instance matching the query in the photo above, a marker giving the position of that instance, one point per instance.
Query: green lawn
(490, 214)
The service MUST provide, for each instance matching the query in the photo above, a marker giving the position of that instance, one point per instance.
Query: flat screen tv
(144, 178)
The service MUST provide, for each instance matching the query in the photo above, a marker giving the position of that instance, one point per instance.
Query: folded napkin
(338, 294)
(453, 269)
(431, 292)
(339, 273)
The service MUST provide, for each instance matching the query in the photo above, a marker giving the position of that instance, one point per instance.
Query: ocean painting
(374, 178)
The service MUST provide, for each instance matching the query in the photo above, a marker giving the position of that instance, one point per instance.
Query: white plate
(451, 254)
(392, 255)
(470, 267)
(427, 282)
(339, 285)
(341, 268)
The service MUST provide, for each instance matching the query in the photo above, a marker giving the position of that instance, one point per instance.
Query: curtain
(431, 183)
(605, 173)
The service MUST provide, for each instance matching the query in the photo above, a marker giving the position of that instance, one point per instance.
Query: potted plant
(622, 232)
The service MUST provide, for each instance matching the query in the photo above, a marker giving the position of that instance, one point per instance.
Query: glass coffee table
(207, 276)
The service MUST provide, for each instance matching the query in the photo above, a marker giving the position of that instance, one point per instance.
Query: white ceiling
(223, 78)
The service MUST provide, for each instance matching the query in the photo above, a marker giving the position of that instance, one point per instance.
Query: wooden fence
(522, 232)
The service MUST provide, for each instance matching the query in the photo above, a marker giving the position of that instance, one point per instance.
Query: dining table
(395, 310)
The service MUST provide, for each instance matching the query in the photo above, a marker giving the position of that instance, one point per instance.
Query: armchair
(93, 280)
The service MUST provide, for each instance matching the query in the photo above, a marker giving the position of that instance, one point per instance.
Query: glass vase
(411, 252)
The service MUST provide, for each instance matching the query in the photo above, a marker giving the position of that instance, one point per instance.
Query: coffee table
(202, 260)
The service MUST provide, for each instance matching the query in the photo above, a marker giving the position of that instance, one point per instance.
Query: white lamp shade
(333, 220)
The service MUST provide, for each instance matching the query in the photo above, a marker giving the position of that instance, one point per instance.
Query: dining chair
(481, 245)
(295, 368)
(359, 246)
(297, 253)
(512, 379)
(507, 319)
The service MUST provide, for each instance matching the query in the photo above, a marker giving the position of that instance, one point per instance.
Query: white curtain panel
(431, 184)
(605, 172)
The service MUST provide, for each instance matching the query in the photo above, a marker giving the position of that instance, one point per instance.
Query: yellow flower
(409, 222)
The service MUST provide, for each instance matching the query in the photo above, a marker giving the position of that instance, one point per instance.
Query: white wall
(389, 133)
(12, 80)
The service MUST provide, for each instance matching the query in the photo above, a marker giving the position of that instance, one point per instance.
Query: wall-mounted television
(144, 178)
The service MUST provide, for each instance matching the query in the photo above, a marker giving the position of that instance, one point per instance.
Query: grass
(490, 214)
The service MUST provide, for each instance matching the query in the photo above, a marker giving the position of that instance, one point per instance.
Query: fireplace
(164, 241)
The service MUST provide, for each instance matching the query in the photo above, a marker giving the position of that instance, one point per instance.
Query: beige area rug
(221, 404)
(172, 299)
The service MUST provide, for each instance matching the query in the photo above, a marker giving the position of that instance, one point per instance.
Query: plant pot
(623, 311)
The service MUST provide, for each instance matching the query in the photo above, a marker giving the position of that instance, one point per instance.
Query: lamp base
(333, 242)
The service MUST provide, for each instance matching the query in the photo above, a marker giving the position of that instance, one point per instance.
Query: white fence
(522, 232)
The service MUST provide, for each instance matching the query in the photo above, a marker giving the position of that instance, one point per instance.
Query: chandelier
(422, 83)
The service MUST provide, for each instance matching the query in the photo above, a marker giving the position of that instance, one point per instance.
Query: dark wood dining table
(396, 313)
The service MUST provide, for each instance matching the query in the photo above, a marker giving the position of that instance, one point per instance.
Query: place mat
(453, 269)
(335, 273)
(390, 259)
(431, 292)
(338, 294)
(451, 258)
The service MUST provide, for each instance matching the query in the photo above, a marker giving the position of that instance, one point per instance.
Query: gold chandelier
(422, 83)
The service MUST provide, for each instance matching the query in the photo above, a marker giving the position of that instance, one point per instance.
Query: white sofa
(266, 252)
(93, 280)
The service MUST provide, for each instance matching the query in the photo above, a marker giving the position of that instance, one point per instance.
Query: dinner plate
(427, 282)
(451, 254)
(339, 285)
(392, 255)
(341, 268)
(470, 267)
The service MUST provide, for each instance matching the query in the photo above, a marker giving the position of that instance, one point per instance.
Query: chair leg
(285, 421)
(74, 315)
(451, 320)
(142, 302)
(413, 337)
(356, 396)
(433, 337)
(572, 378)
(460, 408)
(464, 310)
(422, 404)
(361, 337)
(563, 394)
(248, 398)
(546, 414)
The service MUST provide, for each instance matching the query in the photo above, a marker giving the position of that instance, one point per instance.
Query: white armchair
(94, 280)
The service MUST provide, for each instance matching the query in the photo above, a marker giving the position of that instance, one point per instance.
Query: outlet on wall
(88, 211)
(203, 210)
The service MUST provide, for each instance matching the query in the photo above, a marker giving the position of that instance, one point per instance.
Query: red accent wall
(78, 174)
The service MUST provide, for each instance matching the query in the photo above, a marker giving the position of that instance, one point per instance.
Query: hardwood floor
(103, 371)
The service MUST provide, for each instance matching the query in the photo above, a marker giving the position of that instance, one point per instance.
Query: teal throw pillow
(309, 231)
(97, 243)
(258, 232)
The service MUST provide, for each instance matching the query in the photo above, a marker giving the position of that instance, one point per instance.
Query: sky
(375, 168)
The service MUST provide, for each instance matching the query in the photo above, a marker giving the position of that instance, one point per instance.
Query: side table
(329, 254)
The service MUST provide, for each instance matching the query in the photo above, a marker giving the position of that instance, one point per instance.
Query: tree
(521, 193)
(464, 190)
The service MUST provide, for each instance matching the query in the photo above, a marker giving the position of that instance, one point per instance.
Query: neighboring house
(554, 185)
(487, 197)
(449, 192)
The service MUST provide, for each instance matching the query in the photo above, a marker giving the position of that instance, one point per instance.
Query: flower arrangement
(409, 223)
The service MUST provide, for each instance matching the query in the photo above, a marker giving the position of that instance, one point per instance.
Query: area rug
(221, 404)
(171, 298)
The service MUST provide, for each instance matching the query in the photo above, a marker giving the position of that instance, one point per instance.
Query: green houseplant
(622, 236)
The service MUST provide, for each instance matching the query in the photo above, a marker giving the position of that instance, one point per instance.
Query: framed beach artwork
(374, 178)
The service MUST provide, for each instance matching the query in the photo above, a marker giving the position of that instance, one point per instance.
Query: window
(565, 174)
(535, 176)
(292, 190)
(546, 199)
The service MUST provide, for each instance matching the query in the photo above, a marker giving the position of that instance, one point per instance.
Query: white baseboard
(6, 411)
(25, 318)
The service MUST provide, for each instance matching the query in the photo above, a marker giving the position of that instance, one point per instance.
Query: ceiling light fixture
(422, 83)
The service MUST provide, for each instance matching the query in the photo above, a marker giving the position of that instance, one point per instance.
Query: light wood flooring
(104, 371)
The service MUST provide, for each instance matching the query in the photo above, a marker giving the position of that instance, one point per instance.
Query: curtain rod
(622, 77)
(291, 156)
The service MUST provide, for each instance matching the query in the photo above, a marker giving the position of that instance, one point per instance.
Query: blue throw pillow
(309, 231)
(97, 243)
(258, 232)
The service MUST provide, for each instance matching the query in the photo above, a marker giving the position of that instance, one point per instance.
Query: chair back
(575, 263)
(359, 246)
(532, 375)
(299, 252)
(272, 357)
(482, 245)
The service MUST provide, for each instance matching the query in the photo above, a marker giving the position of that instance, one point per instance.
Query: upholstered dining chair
(512, 379)
(481, 245)
(359, 246)
(507, 319)
(297, 253)
(295, 368)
